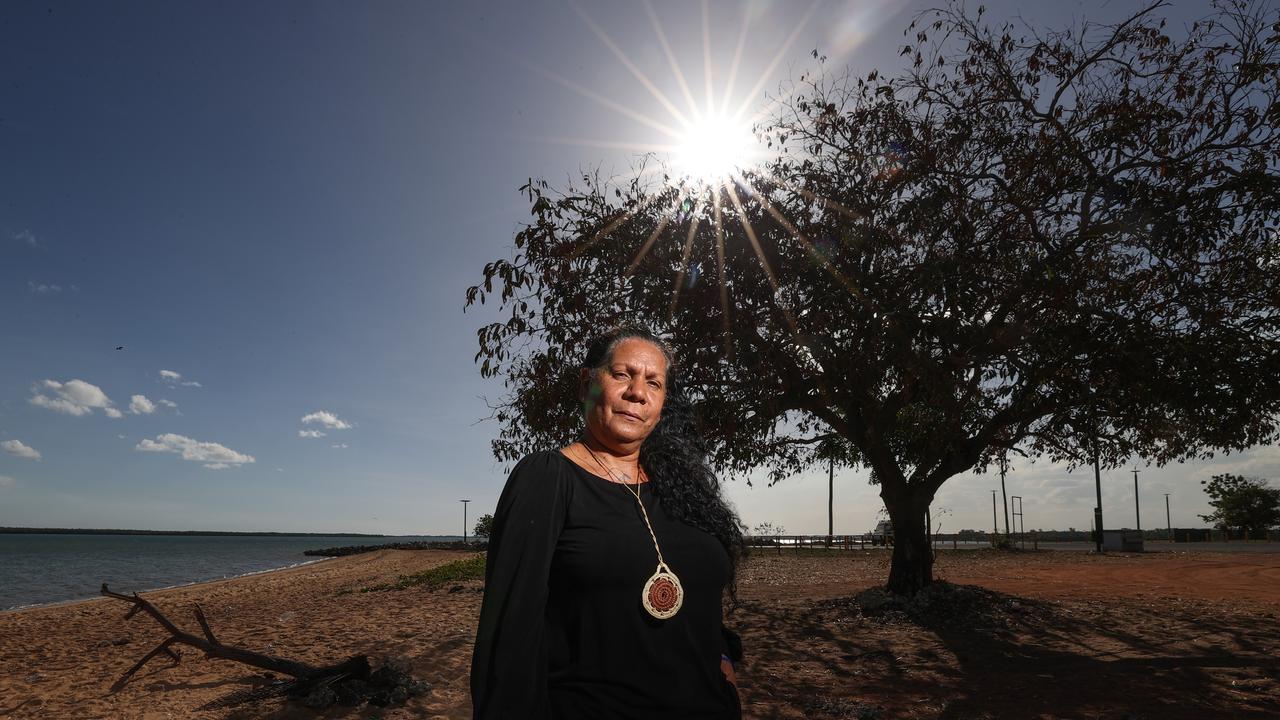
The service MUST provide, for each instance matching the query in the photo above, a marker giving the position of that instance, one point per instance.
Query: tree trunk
(912, 566)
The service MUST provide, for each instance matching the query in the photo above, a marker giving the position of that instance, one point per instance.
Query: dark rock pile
(390, 684)
(417, 545)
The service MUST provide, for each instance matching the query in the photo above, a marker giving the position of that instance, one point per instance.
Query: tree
(1056, 244)
(768, 530)
(1247, 503)
(768, 533)
(484, 526)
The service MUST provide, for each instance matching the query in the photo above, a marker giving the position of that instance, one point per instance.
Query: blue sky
(275, 208)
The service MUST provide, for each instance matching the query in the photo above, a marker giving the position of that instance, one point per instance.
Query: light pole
(831, 494)
(1097, 484)
(995, 523)
(1137, 511)
(464, 520)
(1168, 523)
(1004, 464)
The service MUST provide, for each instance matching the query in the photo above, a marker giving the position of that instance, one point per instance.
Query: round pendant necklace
(662, 595)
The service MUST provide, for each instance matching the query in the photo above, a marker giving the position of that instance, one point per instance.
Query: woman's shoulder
(540, 481)
(541, 466)
(541, 459)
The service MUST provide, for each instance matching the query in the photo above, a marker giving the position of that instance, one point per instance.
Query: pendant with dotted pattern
(663, 595)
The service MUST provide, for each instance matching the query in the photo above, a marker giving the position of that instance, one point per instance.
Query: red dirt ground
(1069, 635)
(1167, 636)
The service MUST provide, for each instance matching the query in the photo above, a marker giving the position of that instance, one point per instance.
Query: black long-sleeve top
(562, 630)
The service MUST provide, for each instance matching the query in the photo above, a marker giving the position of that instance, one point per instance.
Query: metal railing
(825, 542)
(867, 541)
(1024, 540)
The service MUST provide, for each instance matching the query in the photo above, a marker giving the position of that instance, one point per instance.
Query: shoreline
(7, 530)
(50, 569)
(97, 597)
(61, 660)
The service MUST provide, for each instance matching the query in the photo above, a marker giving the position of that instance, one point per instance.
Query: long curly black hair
(674, 456)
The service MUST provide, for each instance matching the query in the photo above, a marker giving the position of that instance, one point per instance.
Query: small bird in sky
(119, 347)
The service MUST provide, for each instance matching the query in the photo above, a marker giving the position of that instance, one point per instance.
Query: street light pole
(1004, 463)
(464, 520)
(995, 523)
(831, 494)
(1168, 523)
(1137, 510)
(1097, 484)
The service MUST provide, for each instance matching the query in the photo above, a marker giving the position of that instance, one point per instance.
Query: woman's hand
(730, 674)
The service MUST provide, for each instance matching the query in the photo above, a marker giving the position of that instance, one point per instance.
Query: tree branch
(209, 644)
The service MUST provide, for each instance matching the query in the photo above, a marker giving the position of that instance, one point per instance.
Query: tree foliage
(768, 530)
(1044, 243)
(1246, 503)
(484, 526)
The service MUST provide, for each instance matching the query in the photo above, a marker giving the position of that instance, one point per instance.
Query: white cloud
(310, 434)
(339, 445)
(326, 419)
(25, 236)
(140, 405)
(213, 455)
(59, 405)
(74, 397)
(17, 448)
(6, 481)
(172, 377)
(168, 403)
(43, 288)
(1261, 461)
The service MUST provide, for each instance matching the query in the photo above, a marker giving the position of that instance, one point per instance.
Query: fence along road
(868, 541)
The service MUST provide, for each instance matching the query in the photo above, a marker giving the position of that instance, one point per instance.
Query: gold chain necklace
(662, 595)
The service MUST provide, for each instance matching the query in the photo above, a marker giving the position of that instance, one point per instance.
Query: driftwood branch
(213, 648)
(204, 624)
(351, 682)
(161, 648)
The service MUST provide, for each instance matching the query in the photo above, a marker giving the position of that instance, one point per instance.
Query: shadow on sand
(967, 652)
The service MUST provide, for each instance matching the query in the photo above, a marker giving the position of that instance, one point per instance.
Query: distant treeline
(110, 531)
(418, 545)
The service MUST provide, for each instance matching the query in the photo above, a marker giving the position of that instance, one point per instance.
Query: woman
(609, 559)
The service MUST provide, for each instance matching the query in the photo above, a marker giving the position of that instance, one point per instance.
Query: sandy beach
(1052, 635)
(60, 661)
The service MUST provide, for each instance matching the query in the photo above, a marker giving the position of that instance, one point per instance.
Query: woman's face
(623, 400)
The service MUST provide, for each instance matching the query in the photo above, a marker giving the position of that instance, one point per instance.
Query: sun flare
(713, 148)
(710, 143)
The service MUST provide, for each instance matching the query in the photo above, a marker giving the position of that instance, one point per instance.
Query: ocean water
(38, 569)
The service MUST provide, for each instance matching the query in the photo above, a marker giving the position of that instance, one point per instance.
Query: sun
(713, 147)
